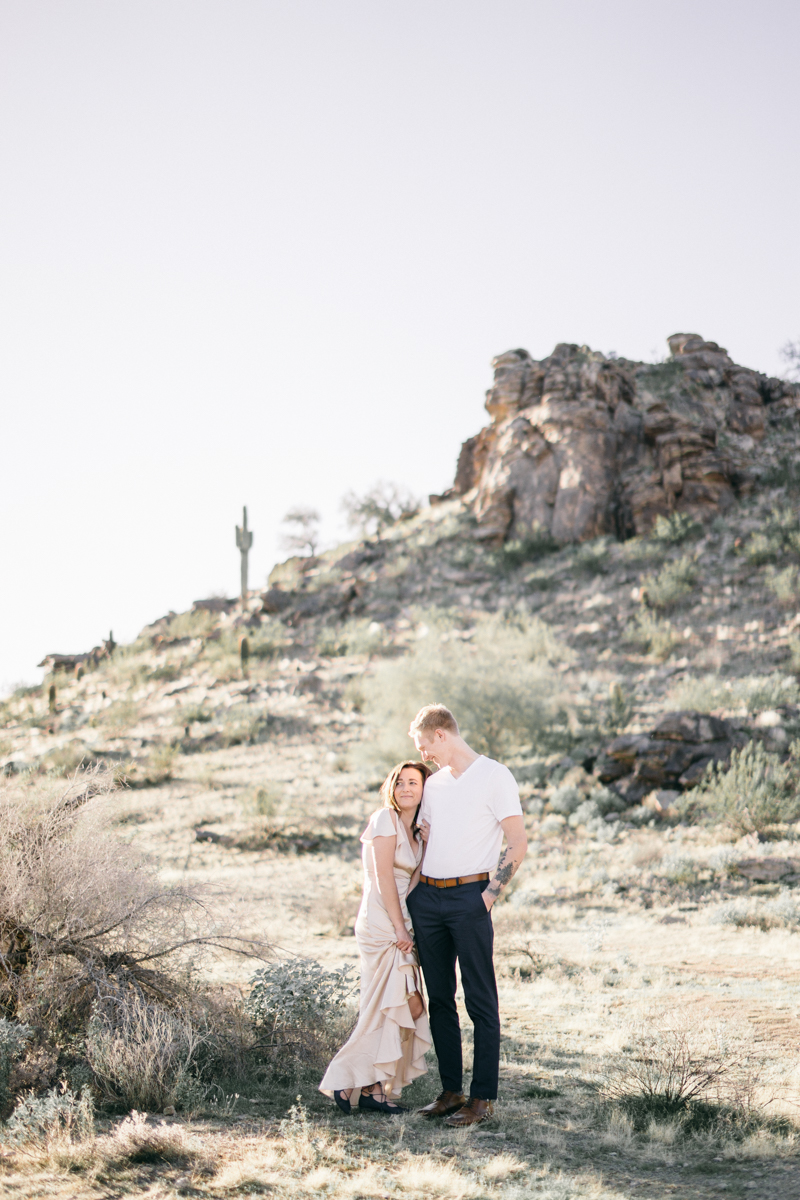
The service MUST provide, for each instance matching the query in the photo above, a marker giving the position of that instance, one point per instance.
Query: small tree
(302, 531)
(379, 508)
(790, 353)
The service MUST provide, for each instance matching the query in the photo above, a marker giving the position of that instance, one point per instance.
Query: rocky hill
(646, 514)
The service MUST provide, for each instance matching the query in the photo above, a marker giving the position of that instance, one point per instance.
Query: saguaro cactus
(244, 540)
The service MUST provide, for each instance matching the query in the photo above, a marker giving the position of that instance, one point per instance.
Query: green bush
(518, 551)
(301, 1011)
(675, 528)
(655, 636)
(497, 678)
(297, 991)
(672, 584)
(785, 585)
(43, 1121)
(593, 558)
(14, 1037)
(755, 792)
(784, 472)
(752, 692)
(779, 537)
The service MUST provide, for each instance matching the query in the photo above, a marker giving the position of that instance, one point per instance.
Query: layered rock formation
(582, 445)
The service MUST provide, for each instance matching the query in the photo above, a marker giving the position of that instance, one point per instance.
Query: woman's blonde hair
(390, 782)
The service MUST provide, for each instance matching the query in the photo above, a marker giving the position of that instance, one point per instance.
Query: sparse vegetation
(653, 634)
(675, 528)
(672, 584)
(496, 675)
(754, 793)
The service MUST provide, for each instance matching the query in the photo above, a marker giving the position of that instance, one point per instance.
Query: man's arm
(512, 856)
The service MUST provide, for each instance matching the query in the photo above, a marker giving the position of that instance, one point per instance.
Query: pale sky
(262, 253)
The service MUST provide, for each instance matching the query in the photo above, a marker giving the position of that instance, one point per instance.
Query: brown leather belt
(455, 882)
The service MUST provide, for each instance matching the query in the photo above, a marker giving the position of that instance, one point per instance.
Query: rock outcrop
(582, 444)
(673, 756)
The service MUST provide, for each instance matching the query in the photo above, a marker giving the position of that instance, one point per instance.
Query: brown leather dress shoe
(445, 1102)
(474, 1110)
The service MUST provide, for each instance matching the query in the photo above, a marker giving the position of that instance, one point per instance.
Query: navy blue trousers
(449, 924)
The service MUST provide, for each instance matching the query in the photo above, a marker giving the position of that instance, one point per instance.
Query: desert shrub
(593, 558)
(620, 708)
(664, 1069)
(381, 506)
(14, 1037)
(783, 472)
(679, 868)
(141, 1052)
(64, 760)
(192, 624)
(565, 800)
(672, 584)
(607, 801)
(365, 637)
(135, 1140)
(779, 537)
(675, 528)
(496, 678)
(779, 912)
(639, 550)
(41, 1122)
(518, 551)
(756, 791)
(155, 768)
(297, 992)
(299, 1009)
(785, 585)
(654, 635)
(269, 640)
(77, 905)
(753, 692)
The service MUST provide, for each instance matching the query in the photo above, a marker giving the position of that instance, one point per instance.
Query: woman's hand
(404, 941)
(424, 831)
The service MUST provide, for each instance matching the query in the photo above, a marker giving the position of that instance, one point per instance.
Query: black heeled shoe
(370, 1104)
(343, 1103)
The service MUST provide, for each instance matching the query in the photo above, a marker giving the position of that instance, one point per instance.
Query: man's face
(428, 744)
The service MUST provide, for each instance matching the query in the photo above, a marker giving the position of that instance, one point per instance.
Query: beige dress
(387, 1045)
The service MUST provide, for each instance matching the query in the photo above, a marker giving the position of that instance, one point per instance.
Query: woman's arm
(418, 872)
(383, 849)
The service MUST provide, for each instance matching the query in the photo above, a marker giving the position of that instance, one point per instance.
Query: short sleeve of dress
(380, 825)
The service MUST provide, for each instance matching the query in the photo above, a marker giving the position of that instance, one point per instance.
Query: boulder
(581, 444)
(672, 757)
(767, 870)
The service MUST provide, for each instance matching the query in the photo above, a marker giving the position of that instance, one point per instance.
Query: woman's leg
(416, 1006)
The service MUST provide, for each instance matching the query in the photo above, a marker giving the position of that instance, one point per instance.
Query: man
(469, 804)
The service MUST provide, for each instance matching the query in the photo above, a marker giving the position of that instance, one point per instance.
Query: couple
(435, 882)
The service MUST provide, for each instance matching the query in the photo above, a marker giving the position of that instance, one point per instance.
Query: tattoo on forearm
(504, 872)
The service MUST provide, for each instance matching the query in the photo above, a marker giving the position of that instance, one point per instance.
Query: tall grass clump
(497, 677)
(142, 1053)
(675, 528)
(779, 538)
(654, 634)
(672, 584)
(755, 792)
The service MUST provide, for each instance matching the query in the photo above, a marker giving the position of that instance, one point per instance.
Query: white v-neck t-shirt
(465, 815)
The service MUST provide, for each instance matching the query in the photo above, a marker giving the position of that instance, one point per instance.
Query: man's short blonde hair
(433, 717)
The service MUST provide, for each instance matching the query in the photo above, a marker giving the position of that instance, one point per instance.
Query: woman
(387, 1047)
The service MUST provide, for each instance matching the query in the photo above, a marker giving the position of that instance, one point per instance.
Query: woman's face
(408, 789)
